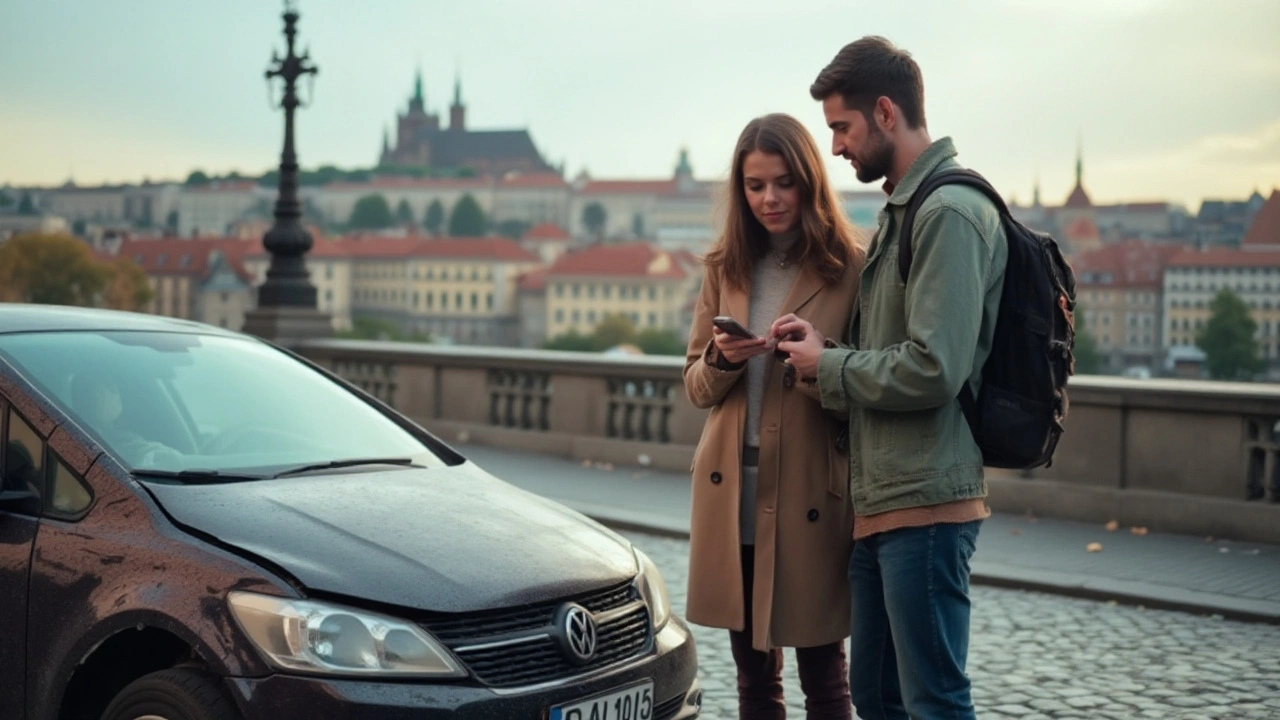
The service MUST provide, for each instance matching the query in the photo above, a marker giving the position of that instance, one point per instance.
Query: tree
(571, 340)
(51, 270)
(1228, 342)
(467, 218)
(612, 331)
(404, 213)
(27, 205)
(372, 212)
(197, 177)
(653, 341)
(514, 229)
(126, 285)
(595, 219)
(1088, 360)
(435, 217)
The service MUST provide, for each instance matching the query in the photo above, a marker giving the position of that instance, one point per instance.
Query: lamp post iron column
(287, 282)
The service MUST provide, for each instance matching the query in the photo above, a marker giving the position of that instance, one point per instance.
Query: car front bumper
(672, 666)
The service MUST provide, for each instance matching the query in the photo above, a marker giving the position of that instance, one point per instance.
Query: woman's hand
(738, 350)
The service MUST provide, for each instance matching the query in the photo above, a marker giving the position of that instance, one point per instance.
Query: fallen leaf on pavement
(1094, 547)
(1138, 530)
(1112, 526)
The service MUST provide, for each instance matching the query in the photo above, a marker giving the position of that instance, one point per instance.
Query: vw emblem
(578, 627)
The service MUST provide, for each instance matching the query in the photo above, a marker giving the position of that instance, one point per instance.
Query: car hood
(452, 539)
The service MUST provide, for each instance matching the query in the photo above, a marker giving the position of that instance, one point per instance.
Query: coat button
(813, 516)
(715, 478)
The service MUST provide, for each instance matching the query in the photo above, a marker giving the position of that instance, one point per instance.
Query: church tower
(457, 111)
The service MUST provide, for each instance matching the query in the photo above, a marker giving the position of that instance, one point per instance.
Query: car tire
(175, 694)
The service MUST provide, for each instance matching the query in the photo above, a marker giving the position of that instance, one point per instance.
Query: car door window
(23, 461)
(69, 497)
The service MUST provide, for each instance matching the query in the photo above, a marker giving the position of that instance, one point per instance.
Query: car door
(22, 457)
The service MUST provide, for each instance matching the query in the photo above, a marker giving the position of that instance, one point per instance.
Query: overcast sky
(1173, 99)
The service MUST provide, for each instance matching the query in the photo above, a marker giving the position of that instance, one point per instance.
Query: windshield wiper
(353, 462)
(199, 476)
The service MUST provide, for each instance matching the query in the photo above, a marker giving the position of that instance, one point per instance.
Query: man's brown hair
(868, 69)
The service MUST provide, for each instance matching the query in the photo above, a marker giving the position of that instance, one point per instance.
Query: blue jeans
(910, 591)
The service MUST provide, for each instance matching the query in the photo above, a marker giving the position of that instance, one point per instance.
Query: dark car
(198, 525)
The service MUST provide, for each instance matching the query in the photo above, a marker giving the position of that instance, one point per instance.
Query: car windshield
(172, 402)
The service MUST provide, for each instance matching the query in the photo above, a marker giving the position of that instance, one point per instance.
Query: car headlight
(653, 589)
(316, 637)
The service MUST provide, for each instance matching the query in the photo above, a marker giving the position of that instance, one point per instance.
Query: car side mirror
(12, 499)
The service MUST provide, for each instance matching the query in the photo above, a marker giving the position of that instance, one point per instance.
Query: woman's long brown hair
(828, 240)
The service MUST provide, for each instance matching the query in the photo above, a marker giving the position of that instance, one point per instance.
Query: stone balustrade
(1168, 455)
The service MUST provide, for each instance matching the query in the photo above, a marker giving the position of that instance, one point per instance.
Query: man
(916, 479)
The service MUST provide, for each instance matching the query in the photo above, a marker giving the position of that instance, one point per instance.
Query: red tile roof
(1082, 228)
(1265, 229)
(547, 231)
(533, 180)
(1129, 264)
(533, 281)
(629, 187)
(624, 260)
(1078, 198)
(225, 186)
(1226, 258)
(190, 257)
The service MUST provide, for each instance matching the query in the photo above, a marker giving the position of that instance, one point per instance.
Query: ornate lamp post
(287, 300)
(287, 241)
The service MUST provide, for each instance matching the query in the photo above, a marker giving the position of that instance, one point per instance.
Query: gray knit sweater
(770, 284)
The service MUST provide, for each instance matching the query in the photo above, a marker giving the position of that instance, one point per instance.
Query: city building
(423, 141)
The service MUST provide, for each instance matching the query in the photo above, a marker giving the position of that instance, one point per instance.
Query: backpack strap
(961, 176)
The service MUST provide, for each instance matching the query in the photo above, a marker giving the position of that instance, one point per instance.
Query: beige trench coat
(804, 523)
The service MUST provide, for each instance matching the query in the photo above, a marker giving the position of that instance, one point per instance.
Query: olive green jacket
(910, 347)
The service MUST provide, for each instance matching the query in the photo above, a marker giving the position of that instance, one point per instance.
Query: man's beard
(876, 162)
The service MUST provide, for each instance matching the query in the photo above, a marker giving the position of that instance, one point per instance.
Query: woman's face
(771, 191)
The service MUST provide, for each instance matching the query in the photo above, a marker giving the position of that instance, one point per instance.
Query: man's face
(867, 148)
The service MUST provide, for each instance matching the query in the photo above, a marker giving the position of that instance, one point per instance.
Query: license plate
(634, 702)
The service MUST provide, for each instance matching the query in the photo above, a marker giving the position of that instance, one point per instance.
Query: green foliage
(371, 212)
(595, 219)
(571, 340)
(1088, 359)
(467, 218)
(435, 217)
(363, 328)
(615, 330)
(514, 229)
(198, 177)
(660, 342)
(62, 270)
(404, 213)
(1228, 342)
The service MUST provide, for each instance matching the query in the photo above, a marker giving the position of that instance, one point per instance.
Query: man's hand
(738, 350)
(801, 342)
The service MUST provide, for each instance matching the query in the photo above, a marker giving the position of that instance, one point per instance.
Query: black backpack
(1018, 415)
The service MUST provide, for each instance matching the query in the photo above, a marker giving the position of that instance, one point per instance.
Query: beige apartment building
(649, 285)
(1118, 288)
(459, 289)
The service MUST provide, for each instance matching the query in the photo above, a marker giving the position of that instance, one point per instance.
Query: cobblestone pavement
(1036, 657)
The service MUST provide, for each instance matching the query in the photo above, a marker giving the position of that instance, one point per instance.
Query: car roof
(22, 318)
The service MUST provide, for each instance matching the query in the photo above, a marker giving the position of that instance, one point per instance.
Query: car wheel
(175, 694)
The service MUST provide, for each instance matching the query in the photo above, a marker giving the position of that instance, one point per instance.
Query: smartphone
(731, 326)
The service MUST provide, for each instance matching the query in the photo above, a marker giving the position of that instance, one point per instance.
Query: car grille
(668, 709)
(513, 647)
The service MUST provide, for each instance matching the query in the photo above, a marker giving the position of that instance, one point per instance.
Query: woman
(771, 527)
